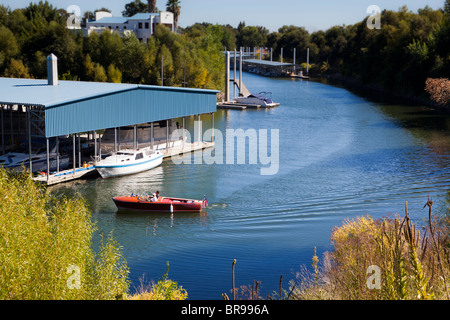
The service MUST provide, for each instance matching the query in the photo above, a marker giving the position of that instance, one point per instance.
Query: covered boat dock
(269, 68)
(65, 120)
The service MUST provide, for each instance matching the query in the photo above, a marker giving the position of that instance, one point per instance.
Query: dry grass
(412, 264)
(42, 238)
(164, 289)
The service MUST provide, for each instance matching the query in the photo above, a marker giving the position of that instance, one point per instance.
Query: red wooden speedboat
(163, 204)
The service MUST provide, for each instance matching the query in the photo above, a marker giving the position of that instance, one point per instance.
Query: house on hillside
(141, 24)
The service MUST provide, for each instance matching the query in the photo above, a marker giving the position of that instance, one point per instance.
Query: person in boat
(154, 198)
(157, 195)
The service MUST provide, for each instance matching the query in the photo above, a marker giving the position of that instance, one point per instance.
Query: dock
(60, 127)
(249, 62)
(89, 170)
(237, 106)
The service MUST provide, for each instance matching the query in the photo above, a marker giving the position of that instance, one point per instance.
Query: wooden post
(234, 74)
(57, 154)
(240, 72)
(79, 150)
(307, 61)
(184, 133)
(29, 139)
(227, 76)
(3, 131)
(115, 140)
(118, 139)
(74, 153)
(212, 126)
(152, 133)
(167, 136)
(95, 144)
(48, 160)
(199, 130)
(11, 125)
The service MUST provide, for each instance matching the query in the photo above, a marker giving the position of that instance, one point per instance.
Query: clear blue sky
(312, 14)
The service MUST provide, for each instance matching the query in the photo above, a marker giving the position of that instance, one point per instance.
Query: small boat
(299, 75)
(126, 162)
(163, 204)
(15, 160)
(256, 100)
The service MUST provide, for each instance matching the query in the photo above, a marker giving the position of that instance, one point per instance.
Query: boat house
(71, 117)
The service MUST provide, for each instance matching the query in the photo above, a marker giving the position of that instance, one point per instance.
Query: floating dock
(89, 169)
(237, 106)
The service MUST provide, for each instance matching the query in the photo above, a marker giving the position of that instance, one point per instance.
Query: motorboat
(15, 160)
(256, 100)
(162, 204)
(300, 75)
(128, 161)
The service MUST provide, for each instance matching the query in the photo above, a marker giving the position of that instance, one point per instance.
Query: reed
(46, 249)
(164, 289)
(410, 267)
(43, 239)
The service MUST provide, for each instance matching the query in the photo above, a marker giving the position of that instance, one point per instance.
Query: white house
(142, 24)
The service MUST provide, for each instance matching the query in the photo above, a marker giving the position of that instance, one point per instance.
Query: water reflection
(341, 156)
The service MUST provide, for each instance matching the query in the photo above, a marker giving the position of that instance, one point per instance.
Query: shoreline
(377, 93)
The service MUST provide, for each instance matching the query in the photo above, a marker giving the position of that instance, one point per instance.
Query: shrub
(46, 247)
(412, 265)
(164, 289)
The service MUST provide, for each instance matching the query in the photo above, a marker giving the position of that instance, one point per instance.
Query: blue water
(340, 156)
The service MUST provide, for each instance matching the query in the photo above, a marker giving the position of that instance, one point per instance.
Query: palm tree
(174, 7)
(151, 5)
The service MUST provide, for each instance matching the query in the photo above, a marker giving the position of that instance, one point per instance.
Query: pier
(260, 61)
(243, 59)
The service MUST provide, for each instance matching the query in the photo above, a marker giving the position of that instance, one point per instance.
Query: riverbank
(377, 93)
(383, 259)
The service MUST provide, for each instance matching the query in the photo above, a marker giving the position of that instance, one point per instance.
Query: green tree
(134, 7)
(174, 7)
(293, 37)
(133, 62)
(114, 74)
(16, 69)
(152, 6)
(8, 46)
(94, 71)
(251, 36)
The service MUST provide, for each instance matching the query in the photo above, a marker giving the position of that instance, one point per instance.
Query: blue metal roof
(110, 20)
(143, 16)
(268, 63)
(79, 106)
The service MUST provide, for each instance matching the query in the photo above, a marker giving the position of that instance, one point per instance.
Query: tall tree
(151, 5)
(174, 7)
(134, 7)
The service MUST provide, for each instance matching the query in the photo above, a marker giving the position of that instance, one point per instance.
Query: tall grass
(45, 243)
(46, 248)
(414, 262)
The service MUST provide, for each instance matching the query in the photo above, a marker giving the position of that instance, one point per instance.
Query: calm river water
(340, 156)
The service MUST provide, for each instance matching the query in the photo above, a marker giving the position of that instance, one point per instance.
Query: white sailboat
(125, 162)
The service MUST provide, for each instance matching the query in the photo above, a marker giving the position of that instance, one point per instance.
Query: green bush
(46, 247)
(412, 264)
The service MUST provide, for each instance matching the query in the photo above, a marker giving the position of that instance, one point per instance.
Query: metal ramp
(244, 92)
